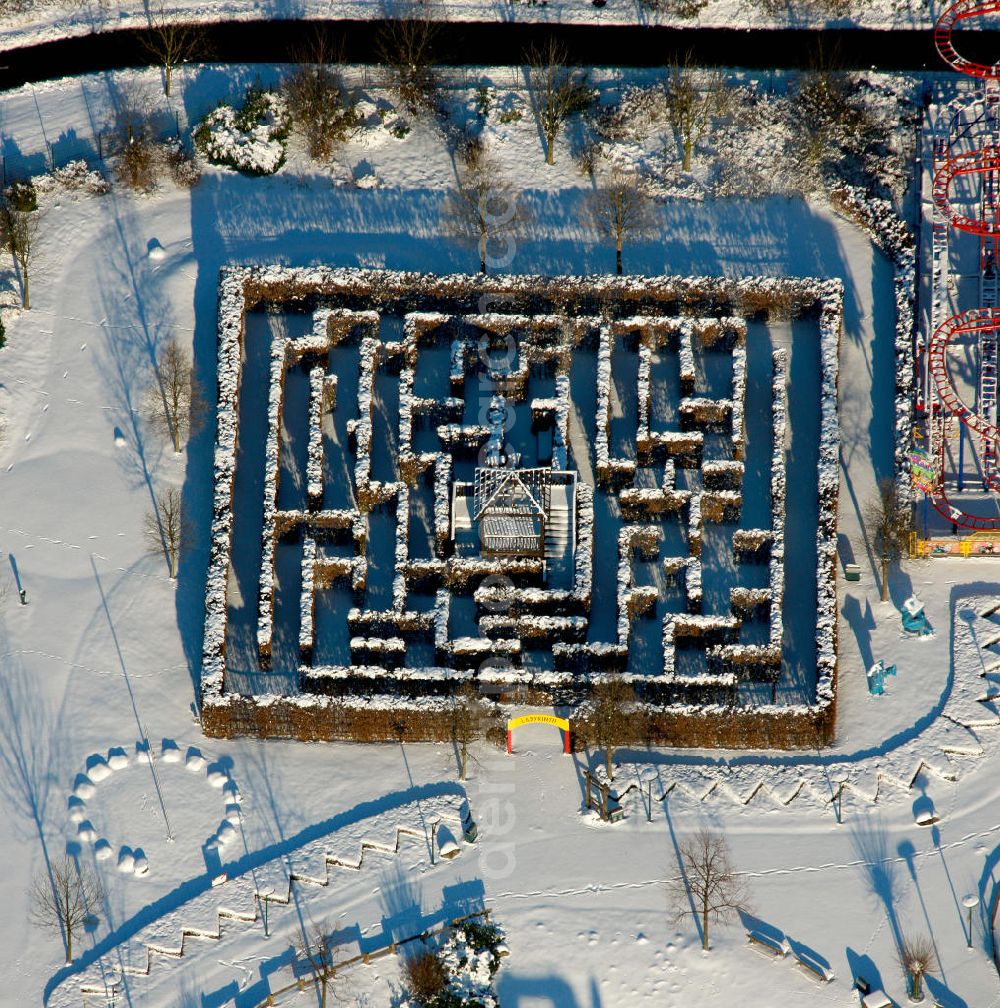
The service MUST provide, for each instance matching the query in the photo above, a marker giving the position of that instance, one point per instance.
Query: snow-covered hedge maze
(403, 387)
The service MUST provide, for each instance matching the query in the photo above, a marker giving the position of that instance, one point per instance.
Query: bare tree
(888, 522)
(610, 716)
(315, 947)
(63, 898)
(19, 230)
(173, 403)
(620, 210)
(172, 43)
(405, 46)
(557, 90)
(707, 883)
(469, 721)
(133, 139)
(482, 207)
(321, 109)
(695, 99)
(164, 527)
(917, 957)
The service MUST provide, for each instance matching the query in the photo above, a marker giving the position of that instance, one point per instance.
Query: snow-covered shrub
(179, 163)
(321, 109)
(459, 974)
(74, 176)
(252, 139)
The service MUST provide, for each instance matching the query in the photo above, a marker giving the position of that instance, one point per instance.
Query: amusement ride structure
(958, 364)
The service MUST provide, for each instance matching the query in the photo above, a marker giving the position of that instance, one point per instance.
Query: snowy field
(106, 651)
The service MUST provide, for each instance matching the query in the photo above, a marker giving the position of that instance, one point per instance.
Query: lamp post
(649, 775)
(970, 903)
(263, 896)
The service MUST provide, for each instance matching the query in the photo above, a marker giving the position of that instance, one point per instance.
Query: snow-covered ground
(106, 651)
(43, 20)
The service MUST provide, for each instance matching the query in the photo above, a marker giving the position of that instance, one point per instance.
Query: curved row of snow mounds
(949, 744)
(311, 864)
(100, 767)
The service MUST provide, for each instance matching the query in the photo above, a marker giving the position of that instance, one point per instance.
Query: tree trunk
(322, 992)
(550, 149)
(916, 989)
(464, 760)
(25, 298)
(608, 753)
(704, 929)
(482, 253)
(166, 88)
(618, 259)
(688, 148)
(885, 579)
(69, 945)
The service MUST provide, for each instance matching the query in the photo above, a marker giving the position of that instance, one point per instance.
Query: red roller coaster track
(980, 162)
(977, 321)
(982, 322)
(951, 16)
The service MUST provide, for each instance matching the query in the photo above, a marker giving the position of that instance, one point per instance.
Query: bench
(876, 999)
(812, 969)
(766, 945)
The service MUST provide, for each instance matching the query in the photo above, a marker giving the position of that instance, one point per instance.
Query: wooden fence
(365, 957)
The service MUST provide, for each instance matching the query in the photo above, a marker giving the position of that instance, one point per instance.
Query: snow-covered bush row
(317, 407)
(379, 645)
(603, 412)
(272, 472)
(333, 325)
(776, 562)
(643, 394)
(879, 220)
(442, 502)
(751, 540)
(458, 436)
(739, 399)
(638, 501)
(307, 600)
(685, 351)
(402, 546)
(252, 139)
(747, 599)
(692, 584)
(532, 626)
(407, 376)
(73, 177)
(461, 570)
(700, 412)
(386, 622)
(831, 326)
(722, 474)
(367, 363)
(695, 525)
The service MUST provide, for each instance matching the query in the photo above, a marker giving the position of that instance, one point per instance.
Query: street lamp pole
(970, 902)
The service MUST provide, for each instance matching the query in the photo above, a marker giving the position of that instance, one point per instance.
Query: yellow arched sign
(558, 722)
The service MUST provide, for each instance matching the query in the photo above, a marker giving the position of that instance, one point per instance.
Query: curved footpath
(504, 44)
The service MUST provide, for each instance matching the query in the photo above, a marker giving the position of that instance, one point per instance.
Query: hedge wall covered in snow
(378, 696)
